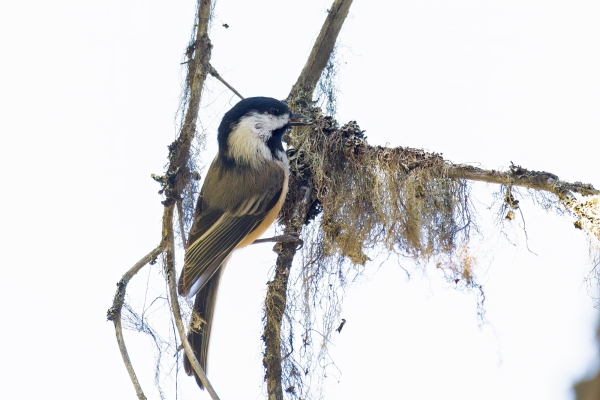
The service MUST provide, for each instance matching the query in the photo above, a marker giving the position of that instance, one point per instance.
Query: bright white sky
(88, 95)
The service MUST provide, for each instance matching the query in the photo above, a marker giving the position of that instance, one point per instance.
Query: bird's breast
(271, 215)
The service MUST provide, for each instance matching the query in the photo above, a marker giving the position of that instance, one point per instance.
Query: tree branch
(181, 224)
(586, 211)
(519, 176)
(410, 159)
(347, 146)
(214, 73)
(175, 179)
(199, 51)
(403, 159)
(170, 272)
(321, 51)
(114, 313)
(276, 299)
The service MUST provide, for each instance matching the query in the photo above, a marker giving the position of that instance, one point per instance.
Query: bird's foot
(286, 238)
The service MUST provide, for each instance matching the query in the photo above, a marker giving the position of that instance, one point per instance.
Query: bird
(242, 194)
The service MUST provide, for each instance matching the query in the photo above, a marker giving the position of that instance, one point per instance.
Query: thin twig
(214, 73)
(114, 313)
(127, 360)
(181, 225)
(177, 172)
(170, 271)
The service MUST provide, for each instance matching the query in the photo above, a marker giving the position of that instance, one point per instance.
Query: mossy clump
(396, 199)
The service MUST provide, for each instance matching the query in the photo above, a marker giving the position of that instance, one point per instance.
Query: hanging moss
(398, 199)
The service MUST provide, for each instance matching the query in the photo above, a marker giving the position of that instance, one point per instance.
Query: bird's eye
(274, 111)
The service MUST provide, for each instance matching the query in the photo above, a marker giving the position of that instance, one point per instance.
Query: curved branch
(114, 313)
(177, 176)
(170, 272)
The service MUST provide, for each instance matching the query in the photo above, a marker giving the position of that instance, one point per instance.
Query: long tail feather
(199, 333)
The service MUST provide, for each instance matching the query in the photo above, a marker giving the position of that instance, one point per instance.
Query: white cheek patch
(265, 124)
(247, 140)
(246, 147)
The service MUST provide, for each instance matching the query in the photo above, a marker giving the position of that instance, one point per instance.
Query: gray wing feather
(237, 202)
(205, 256)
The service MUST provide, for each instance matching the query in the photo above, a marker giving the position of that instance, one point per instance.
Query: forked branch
(176, 178)
(114, 313)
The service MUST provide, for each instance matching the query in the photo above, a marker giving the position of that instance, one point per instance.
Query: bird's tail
(201, 323)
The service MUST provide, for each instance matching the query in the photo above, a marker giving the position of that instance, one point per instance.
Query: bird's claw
(285, 238)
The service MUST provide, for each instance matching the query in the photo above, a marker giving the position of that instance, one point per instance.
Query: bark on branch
(173, 182)
(276, 299)
(410, 159)
(199, 52)
(519, 176)
(114, 313)
(170, 272)
(302, 191)
(321, 51)
(347, 148)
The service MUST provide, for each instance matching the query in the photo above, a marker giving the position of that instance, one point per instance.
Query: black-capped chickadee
(242, 195)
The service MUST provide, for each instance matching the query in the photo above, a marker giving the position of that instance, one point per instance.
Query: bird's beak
(299, 119)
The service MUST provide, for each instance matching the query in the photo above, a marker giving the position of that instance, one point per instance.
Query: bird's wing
(219, 228)
(205, 256)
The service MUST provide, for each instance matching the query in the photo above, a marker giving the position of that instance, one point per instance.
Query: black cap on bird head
(259, 105)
